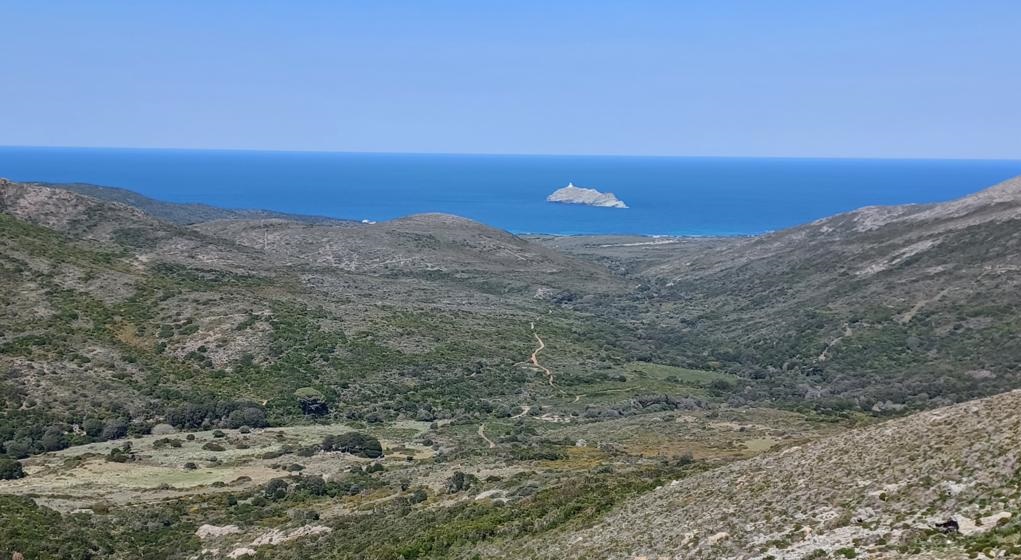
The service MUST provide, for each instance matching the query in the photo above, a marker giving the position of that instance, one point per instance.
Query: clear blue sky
(754, 78)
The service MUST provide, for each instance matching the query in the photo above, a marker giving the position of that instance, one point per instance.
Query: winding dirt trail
(534, 360)
(482, 434)
(524, 411)
(907, 317)
(826, 352)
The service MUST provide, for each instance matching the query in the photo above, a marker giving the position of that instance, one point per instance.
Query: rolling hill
(175, 378)
(881, 307)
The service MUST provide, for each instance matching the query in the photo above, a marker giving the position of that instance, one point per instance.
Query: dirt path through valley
(534, 360)
(826, 352)
(482, 434)
(907, 317)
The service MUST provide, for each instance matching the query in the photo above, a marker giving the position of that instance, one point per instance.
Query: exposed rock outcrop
(589, 197)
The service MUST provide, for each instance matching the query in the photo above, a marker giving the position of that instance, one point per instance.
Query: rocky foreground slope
(938, 484)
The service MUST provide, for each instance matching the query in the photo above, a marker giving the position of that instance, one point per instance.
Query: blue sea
(666, 195)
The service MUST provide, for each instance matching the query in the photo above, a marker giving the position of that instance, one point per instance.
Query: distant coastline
(678, 197)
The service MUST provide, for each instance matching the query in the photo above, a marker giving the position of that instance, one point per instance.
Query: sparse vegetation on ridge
(296, 387)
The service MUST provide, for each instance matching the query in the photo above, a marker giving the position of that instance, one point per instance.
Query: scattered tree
(355, 443)
(311, 401)
(460, 482)
(10, 469)
(114, 428)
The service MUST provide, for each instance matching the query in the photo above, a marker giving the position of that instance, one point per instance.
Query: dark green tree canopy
(355, 443)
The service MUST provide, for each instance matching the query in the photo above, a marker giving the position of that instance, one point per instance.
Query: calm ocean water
(671, 196)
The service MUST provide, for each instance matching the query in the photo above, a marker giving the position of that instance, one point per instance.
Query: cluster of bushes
(301, 487)
(224, 414)
(399, 530)
(541, 452)
(106, 429)
(122, 454)
(34, 531)
(22, 435)
(460, 482)
(167, 442)
(311, 401)
(53, 438)
(355, 443)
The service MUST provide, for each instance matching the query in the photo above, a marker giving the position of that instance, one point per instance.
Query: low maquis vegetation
(430, 387)
(355, 443)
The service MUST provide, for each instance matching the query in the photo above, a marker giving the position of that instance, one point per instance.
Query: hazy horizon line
(505, 154)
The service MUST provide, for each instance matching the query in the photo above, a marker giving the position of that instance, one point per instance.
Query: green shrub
(120, 455)
(355, 443)
(10, 469)
(539, 453)
(275, 489)
(167, 442)
(460, 482)
(311, 401)
(115, 428)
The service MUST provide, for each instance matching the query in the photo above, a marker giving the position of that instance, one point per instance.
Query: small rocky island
(580, 195)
